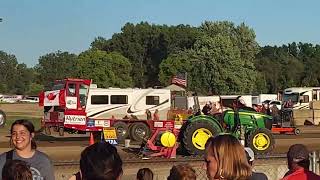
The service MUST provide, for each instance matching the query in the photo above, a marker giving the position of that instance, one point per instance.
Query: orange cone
(91, 140)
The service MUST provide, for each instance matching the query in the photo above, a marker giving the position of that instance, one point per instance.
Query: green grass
(10, 119)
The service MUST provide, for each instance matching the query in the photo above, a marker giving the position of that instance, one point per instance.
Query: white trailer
(299, 97)
(119, 103)
(226, 100)
(263, 97)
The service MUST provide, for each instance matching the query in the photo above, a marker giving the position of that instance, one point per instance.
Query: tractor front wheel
(261, 141)
(196, 135)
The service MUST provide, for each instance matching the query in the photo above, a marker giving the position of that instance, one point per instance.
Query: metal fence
(273, 167)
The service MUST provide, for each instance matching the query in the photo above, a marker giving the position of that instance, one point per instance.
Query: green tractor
(256, 127)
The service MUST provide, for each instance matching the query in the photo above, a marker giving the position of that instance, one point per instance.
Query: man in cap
(250, 158)
(298, 164)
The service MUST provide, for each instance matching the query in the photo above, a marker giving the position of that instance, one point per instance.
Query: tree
(57, 65)
(175, 63)
(8, 64)
(146, 46)
(34, 89)
(105, 69)
(24, 77)
(99, 43)
(220, 61)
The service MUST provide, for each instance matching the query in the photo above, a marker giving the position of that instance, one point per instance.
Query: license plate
(102, 123)
(110, 133)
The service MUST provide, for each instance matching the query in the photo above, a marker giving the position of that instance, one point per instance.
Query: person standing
(250, 158)
(156, 116)
(182, 172)
(298, 164)
(225, 159)
(99, 161)
(22, 138)
(16, 170)
(145, 174)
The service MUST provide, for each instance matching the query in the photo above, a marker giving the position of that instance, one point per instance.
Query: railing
(274, 166)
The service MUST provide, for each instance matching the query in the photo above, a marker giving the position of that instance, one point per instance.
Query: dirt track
(69, 148)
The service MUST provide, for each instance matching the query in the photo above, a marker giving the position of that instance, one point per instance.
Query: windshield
(58, 86)
(83, 93)
(293, 96)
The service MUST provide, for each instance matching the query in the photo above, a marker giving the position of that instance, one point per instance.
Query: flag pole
(186, 78)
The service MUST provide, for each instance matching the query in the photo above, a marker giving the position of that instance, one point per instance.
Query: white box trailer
(263, 97)
(226, 100)
(118, 103)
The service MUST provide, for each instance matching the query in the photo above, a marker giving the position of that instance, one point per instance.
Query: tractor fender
(207, 118)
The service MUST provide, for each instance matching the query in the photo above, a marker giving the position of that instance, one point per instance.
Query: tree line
(218, 58)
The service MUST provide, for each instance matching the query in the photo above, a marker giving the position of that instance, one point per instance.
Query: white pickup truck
(2, 118)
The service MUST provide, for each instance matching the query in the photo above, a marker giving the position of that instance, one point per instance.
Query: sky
(33, 28)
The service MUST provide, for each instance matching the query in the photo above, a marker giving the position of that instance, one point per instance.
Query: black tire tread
(187, 144)
(125, 126)
(267, 132)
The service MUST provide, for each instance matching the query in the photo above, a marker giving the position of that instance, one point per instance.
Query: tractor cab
(65, 104)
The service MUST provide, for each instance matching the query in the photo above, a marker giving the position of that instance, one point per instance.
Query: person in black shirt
(255, 175)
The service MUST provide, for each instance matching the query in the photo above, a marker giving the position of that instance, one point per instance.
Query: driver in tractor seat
(239, 104)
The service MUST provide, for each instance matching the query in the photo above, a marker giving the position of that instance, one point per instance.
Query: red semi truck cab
(65, 106)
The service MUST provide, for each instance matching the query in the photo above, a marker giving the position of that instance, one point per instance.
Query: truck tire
(139, 131)
(261, 141)
(196, 135)
(3, 118)
(122, 130)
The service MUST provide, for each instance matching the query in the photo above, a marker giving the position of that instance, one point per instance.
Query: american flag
(179, 79)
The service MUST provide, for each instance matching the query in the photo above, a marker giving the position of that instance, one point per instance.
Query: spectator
(148, 113)
(275, 112)
(156, 116)
(99, 161)
(145, 174)
(182, 172)
(206, 108)
(16, 170)
(226, 159)
(250, 158)
(22, 138)
(298, 164)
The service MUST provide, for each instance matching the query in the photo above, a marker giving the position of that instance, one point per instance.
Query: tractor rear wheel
(196, 135)
(261, 141)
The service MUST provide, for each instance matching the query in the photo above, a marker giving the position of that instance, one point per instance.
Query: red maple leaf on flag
(51, 96)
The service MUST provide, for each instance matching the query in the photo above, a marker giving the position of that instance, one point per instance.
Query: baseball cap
(298, 152)
(249, 153)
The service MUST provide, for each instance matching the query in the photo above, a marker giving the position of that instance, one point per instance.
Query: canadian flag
(52, 98)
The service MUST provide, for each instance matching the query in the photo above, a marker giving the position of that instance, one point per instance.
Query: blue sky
(32, 28)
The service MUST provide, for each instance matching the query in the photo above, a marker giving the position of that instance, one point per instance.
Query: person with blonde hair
(226, 159)
(182, 172)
